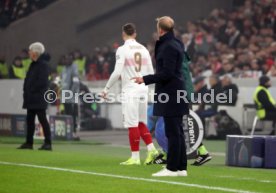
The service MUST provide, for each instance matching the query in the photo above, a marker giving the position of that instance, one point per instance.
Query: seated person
(216, 87)
(265, 103)
(200, 88)
(227, 85)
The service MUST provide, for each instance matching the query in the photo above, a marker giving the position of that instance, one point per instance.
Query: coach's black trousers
(41, 114)
(176, 158)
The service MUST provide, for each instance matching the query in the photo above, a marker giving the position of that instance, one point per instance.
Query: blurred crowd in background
(12, 10)
(239, 43)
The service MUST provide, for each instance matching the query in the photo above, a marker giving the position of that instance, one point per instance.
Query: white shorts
(135, 108)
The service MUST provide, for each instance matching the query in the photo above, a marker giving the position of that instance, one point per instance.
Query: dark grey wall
(144, 15)
(57, 25)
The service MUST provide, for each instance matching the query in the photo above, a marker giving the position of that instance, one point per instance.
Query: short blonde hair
(165, 23)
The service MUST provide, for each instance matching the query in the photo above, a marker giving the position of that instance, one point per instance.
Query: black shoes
(202, 159)
(25, 146)
(45, 146)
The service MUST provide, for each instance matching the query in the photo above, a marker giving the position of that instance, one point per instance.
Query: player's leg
(162, 140)
(203, 156)
(130, 121)
(145, 134)
(144, 131)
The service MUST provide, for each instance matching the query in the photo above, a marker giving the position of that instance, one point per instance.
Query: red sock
(145, 134)
(134, 138)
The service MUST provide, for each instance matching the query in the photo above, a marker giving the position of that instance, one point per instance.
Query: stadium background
(93, 28)
(68, 25)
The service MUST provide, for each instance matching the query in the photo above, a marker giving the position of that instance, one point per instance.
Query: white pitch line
(247, 179)
(128, 177)
(221, 154)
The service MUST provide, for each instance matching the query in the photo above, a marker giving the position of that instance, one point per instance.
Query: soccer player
(133, 60)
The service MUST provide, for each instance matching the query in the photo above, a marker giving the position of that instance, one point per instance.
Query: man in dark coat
(169, 83)
(35, 86)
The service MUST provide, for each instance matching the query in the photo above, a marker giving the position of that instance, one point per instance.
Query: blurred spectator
(105, 73)
(98, 58)
(227, 67)
(200, 88)
(93, 73)
(6, 7)
(216, 88)
(109, 56)
(60, 65)
(4, 71)
(188, 44)
(227, 85)
(22, 8)
(204, 41)
(80, 61)
(101, 63)
(70, 81)
(88, 110)
(240, 42)
(272, 71)
(11, 10)
(265, 103)
(17, 70)
(233, 35)
(26, 61)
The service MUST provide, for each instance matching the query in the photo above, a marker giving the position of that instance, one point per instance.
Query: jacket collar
(43, 58)
(167, 36)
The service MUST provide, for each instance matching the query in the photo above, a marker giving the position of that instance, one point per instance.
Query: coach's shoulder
(174, 45)
(170, 45)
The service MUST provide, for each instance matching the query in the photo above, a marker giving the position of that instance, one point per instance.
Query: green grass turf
(96, 157)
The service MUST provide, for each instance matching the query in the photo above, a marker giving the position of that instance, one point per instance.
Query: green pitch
(85, 166)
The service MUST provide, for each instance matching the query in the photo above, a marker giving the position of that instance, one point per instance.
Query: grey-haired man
(35, 86)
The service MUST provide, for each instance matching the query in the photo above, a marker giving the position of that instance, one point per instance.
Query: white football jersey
(132, 60)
